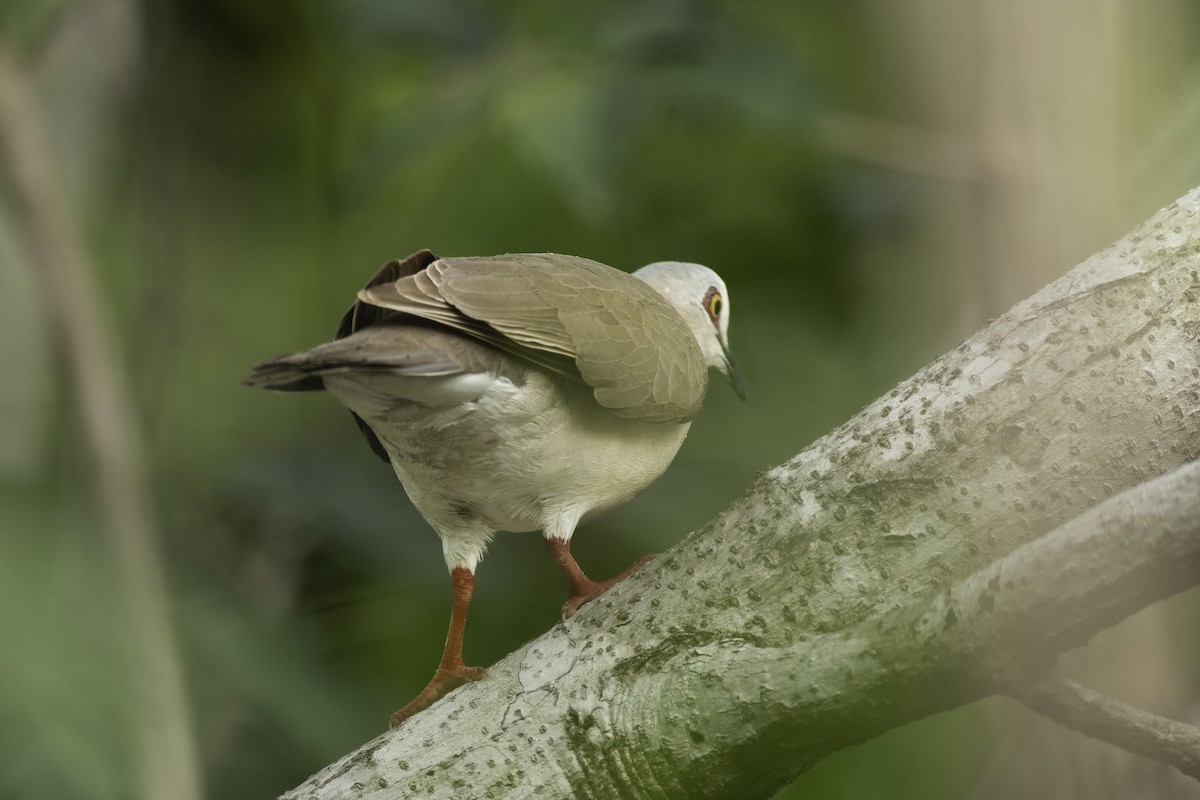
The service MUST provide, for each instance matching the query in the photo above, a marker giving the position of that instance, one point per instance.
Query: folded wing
(579, 318)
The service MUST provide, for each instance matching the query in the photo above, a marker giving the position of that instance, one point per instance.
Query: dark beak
(735, 380)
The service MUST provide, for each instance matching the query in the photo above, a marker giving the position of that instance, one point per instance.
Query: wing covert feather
(626, 341)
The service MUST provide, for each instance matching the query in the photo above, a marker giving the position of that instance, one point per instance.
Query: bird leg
(451, 671)
(581, 587)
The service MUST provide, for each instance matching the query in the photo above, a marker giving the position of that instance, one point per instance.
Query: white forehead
(681, 282)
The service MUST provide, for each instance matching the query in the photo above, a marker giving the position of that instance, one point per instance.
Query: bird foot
(445, 680)
(590, 590)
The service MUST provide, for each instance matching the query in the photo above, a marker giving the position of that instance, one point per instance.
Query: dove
(519, 393)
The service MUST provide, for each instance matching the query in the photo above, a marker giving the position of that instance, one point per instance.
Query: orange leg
(581, 587)
(451, 672)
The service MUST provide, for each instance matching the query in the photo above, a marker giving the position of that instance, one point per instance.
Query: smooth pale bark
(912, 560)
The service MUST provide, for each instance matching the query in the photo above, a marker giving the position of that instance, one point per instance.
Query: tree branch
(1099, 717)
(904, 564)
(1002, 626)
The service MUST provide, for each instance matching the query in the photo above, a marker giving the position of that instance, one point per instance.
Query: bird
(519, 393)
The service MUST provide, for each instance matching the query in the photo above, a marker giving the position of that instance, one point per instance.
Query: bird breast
(517, 452)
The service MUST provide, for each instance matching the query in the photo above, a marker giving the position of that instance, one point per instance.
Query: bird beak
(735, 380)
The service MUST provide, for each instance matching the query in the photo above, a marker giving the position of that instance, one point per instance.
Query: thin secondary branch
(1100, 717)
(1055, 592)
(167, 751)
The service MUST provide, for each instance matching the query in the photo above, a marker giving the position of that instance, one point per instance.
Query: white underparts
(479, 453)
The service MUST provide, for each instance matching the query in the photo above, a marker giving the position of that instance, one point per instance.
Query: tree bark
(947, 542)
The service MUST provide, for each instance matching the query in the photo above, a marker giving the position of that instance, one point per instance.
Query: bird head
(700, 297)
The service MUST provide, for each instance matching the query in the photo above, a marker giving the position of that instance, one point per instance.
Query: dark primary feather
(362, 315)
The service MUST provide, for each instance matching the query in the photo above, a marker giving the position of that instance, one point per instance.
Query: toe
(444, 681)
(594, 589)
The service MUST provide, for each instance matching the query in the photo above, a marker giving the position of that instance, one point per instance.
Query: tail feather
(285, 374)
(418, 351)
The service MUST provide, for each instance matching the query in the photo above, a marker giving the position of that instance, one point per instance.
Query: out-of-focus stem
(166, 748)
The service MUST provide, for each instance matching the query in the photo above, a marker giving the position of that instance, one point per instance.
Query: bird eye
(713, 304)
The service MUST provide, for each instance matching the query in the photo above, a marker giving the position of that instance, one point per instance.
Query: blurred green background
(873, 180)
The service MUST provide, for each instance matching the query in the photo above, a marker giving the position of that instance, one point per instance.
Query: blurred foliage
(241, 167)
